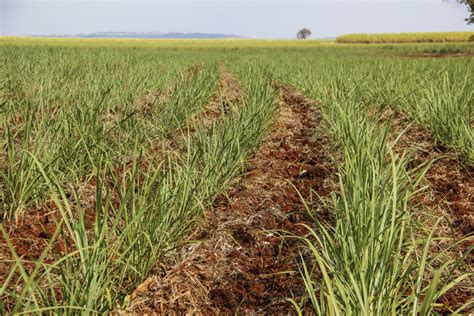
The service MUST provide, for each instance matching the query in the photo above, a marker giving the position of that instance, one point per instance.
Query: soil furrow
(439, 55)
(240, 263)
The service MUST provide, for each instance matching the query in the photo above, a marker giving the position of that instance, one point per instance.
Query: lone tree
(303, 33)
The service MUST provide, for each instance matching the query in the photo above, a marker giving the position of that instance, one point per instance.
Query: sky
(256, 19)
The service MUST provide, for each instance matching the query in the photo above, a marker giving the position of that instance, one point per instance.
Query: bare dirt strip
(450, 195)
(226, 102)
(31, 234)
(439, 55)
(237, 262)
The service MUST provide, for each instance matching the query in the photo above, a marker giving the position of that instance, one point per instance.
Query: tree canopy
(470, 4)
(303, 33)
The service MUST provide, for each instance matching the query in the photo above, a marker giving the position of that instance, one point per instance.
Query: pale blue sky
(257, 18)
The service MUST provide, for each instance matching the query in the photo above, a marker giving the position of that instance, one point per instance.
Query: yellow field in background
(407, 37)
(166, 43)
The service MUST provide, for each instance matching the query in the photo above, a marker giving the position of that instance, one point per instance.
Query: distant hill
(147, 35)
